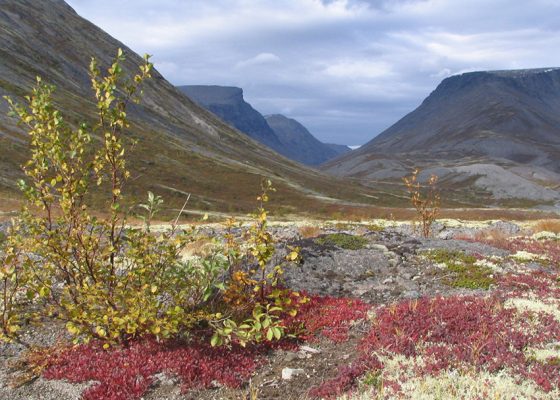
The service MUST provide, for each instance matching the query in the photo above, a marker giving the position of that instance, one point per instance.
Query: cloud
(261, 58)
(347, 69)
(359, 69)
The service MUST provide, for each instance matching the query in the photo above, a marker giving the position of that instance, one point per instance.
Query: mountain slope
(181, 147)
(498, 131)
(285, 136)
(298, 144)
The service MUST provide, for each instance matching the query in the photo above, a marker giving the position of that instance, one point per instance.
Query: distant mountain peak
(214, 94)
(282, 134)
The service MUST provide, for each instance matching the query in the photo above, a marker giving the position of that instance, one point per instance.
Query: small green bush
(343, 240)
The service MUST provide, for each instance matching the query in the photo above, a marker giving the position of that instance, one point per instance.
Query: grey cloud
(347, 69)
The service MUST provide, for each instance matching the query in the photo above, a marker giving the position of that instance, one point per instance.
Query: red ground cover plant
(454, 332)
(329, 317)
(127, 373)
(540, 283)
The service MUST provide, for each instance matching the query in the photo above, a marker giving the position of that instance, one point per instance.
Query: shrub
(343, 240)
(426, 202)
(104, 279)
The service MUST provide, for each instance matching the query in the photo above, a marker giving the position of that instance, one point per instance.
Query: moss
(343, 240)
(470, 276)
(450, 257)
(375, 228)
(465, 274)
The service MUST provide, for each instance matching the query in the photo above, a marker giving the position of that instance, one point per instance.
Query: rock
(163, 379)
(291, 356)
(411, 294)
(506, 227)
(309, 349)
(446, 234)
(387, 281)
(289, 373)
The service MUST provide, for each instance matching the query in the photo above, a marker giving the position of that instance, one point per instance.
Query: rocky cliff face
(181, 146)
(227, 103)
(498, 131)
(286, 136)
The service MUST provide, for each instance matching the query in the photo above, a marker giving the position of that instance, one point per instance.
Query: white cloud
(261, 58)
(359, 69)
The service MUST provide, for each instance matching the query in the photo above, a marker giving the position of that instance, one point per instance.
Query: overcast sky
(346, 69)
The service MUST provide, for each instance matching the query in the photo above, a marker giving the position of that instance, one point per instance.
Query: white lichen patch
(545, 354)
(549, 306)
(545, 235)
(455, 385)
(525, 256)
(486, 263)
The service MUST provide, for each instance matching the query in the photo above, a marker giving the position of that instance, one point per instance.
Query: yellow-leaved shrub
(103, 278)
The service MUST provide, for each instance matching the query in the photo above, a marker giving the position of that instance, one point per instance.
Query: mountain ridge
(506, 119)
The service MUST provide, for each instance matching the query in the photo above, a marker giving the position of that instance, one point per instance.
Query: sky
(346, 69)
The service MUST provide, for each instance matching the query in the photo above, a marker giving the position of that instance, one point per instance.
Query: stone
(309, 349)
(289, 373)
(291, 356)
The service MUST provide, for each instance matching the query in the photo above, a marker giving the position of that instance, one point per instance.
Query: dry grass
(494, 235)
(310, 231)
(198, 248)
(547, 225)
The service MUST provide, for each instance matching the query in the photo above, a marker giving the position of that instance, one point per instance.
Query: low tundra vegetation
(466, 270)
(343, 240)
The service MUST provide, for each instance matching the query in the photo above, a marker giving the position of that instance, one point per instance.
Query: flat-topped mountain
(497, 129)
(497, 114)
(182, 148)
(227, 102)
(286, 136)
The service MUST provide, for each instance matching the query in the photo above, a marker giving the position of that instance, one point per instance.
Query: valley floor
(472, 313)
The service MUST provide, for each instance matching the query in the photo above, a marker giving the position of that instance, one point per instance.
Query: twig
(179, 215)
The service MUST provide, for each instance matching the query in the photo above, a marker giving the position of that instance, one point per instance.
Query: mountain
(181, 148)
(495, 131)
(287, 137)
(300, 145)
(339, 148)
(227, 102)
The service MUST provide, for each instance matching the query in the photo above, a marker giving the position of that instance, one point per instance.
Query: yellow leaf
(293, 256)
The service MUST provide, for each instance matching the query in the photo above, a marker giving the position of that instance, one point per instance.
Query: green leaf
(216, 340)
